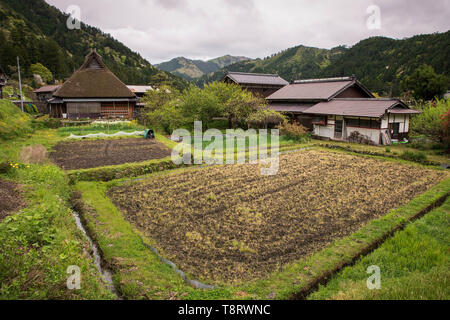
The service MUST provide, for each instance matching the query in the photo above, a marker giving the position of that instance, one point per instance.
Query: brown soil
(10, 198)
(229, 223)
(33, 154)
(98, 153)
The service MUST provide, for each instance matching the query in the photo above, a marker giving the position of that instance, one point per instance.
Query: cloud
(164, 29)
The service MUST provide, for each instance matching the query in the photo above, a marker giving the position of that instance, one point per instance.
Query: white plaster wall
(403, 119)
(324, 131)
(373, 134)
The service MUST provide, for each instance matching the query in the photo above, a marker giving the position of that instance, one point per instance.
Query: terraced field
(231, 224)
(98, 153)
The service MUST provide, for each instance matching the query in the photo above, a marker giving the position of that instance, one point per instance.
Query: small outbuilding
(45, 93)
(93, 91)
(259, 84)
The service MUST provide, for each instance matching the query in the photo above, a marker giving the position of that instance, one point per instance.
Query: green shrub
(388, 150)
(416, 156)
(294, 131)
(109, 173)
(46, 122)
(429, 123)
(4, 167)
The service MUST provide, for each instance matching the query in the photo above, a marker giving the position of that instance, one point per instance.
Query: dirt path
(98, 153)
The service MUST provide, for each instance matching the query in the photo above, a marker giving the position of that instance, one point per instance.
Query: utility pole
(20, 83)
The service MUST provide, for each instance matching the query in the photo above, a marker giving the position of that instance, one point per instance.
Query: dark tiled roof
(290, 107)
(317, 89)
(94, 80)
(310, 90)
(403, 111)
(374, 108)
(45, 89)
(257, 78)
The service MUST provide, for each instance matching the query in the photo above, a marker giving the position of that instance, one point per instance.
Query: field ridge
(324, 279)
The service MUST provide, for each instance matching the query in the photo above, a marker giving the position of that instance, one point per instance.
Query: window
(395, 127)
(352, 122)
(322, 121)
(364, 123)
(375, 124)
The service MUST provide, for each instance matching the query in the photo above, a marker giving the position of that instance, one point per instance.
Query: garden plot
(97, 153)
(11, 199)
(230, 224)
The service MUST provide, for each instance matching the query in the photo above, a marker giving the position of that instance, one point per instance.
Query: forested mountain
(380, 63)
(37, 32)
(290, 64)
(193, 69)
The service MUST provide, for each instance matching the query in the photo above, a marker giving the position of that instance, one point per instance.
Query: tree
(236, 104)
(162, 109)
(263, 117)
(167, 109)
(200, 105)
(426, 84)
(159, 80)
(41, 70)
(431, 121)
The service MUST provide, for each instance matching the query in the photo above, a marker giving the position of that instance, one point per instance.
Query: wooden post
(20, 83)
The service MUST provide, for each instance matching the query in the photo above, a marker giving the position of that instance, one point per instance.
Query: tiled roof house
(339, 108)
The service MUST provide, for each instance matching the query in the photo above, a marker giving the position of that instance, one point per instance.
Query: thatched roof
(93, 80)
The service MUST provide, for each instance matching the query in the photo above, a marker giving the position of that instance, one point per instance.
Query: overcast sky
(201, 29)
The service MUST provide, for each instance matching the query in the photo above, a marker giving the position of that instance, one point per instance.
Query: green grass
(41, 241)
(10, 149)
(414, 265)
(9, 90)
(99, 128)
(13, 123)
(283, 142)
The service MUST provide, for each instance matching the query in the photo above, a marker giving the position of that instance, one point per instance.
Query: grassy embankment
(414, 265)
(40, 241)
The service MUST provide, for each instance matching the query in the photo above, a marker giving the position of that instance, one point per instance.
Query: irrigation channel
(106, 273)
